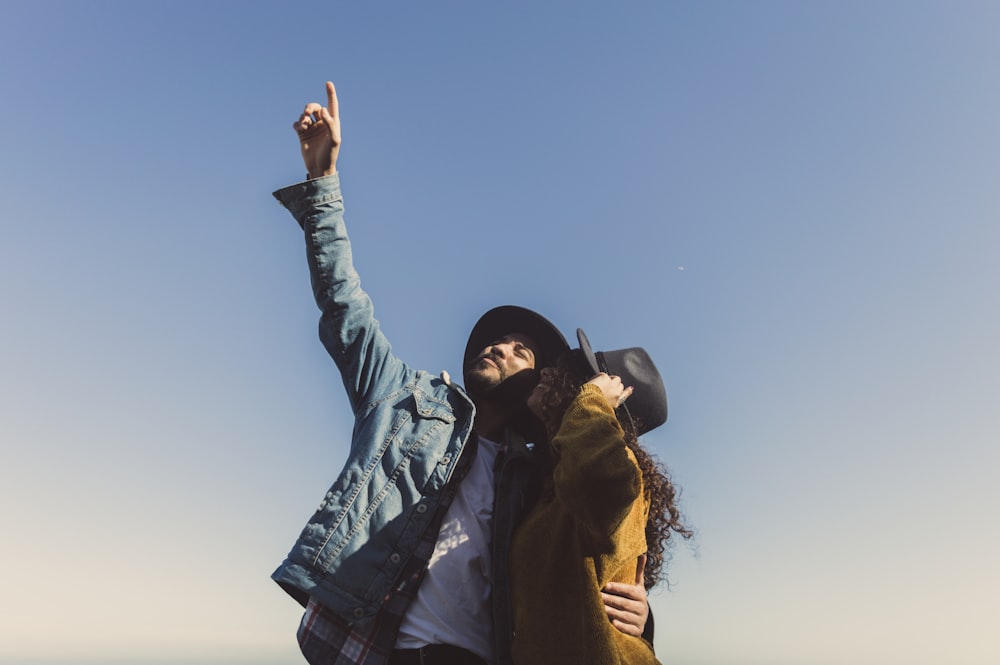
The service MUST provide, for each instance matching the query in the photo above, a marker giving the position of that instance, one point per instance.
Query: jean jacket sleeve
(348, 328)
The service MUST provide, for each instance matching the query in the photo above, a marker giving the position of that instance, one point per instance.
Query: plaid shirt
(327, 639)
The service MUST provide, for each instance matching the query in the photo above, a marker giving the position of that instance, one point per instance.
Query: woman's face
(537, 396)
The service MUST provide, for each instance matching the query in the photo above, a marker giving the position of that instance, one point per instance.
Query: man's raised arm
(348, 328)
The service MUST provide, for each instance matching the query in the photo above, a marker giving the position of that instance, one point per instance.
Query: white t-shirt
(453, 605)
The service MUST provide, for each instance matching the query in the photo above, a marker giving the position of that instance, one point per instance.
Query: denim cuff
(308, 194)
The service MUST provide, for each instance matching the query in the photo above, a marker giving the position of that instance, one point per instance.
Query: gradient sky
(792, 205)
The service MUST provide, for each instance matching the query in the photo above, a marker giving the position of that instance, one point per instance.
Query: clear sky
(792, 205)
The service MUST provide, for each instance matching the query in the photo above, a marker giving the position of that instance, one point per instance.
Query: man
(404, 560)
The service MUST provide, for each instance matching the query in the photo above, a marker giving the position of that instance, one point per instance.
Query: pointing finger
(331, 98)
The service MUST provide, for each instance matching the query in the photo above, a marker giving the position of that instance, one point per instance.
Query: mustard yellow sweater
(586, 531)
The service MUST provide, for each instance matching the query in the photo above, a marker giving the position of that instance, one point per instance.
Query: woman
(605, 504)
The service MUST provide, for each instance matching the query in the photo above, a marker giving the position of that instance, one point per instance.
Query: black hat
(508, 319)
(647, 405)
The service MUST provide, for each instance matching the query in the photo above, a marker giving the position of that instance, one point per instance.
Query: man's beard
(511, 392)
(508, 389)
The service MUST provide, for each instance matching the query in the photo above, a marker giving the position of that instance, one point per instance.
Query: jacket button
(394, 558)
(421, 507)
(446, 459)
(358, 612)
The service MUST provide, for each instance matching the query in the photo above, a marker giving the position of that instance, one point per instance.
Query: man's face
(499, 361)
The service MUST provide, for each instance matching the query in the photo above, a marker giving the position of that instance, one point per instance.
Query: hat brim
(588, 352)
(508, 319)
(647, 407)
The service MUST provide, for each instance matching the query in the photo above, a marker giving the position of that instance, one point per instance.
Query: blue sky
(792, 206)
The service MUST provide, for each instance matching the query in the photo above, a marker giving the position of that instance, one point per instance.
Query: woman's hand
(319, 135)
(611, 386)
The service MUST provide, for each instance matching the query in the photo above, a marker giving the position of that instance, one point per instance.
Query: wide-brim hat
(508, 319)
(647, 405)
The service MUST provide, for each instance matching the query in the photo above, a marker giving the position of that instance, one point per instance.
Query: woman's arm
(596, 476)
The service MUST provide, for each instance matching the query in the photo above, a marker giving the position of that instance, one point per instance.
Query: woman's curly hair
(568, 376)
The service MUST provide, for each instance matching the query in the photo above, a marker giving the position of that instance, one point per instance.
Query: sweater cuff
(588, 409)
(591, 398)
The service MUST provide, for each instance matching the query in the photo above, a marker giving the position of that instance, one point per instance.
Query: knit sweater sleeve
(596, 477)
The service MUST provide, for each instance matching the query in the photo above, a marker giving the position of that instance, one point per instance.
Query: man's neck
(492, 420)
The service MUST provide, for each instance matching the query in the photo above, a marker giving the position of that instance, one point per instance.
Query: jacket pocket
(378, 521)
(422, 445)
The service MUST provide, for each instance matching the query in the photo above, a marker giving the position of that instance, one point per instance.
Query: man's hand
(319, 135)
(626, 603)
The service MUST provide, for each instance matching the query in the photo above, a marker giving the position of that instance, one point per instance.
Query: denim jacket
(410, 430)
